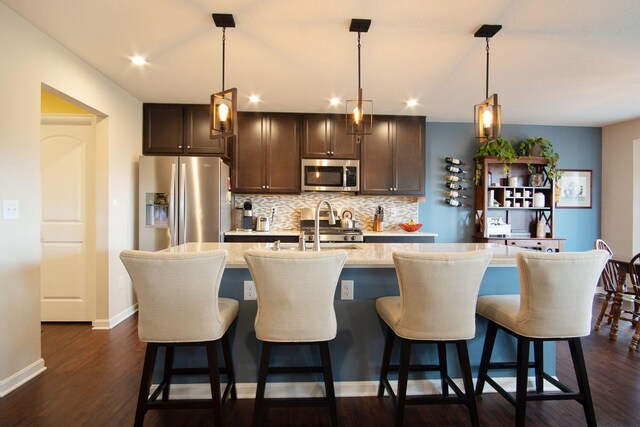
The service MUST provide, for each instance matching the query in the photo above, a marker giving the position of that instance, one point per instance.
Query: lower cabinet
(544, 245)
(399, 239)
(256, 238)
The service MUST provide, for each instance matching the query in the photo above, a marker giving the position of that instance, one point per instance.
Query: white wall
(618, 182)
(635, 231)
(30, 58)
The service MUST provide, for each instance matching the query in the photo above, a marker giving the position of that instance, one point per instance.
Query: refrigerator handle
(183, 200)
(172, 206)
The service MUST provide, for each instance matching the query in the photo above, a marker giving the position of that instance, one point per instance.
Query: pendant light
(224, 104)
(487, 115)
(359, 114)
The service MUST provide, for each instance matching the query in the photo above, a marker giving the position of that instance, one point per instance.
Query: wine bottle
(454, 186)
(455, 178)
(454, 202)
(455, 194)
(454, 161)
(454, 169)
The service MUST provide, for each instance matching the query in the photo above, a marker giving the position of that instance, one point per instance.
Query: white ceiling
(569, 62)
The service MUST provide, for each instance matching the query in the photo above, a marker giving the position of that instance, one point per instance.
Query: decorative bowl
(410, 227)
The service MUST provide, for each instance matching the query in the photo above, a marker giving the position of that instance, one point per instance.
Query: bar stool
(295, 293)
(555, 303)
(437, 305)
(178, 305)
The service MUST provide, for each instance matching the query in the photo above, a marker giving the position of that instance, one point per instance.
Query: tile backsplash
(396, 209)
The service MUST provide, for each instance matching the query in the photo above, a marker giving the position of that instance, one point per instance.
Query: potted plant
(541, 147)
(499, 147)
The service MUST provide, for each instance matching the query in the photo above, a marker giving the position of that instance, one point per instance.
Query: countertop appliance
(247, 220)
(182, 199)
(263, 223)
(329, 233)
(330, 175)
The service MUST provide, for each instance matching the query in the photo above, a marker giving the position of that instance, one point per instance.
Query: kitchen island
(356, 352)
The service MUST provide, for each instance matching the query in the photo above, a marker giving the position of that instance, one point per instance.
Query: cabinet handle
(188, 146)
(179, 146)
(333, 152)
(268, 186)
(263, 186)
(328, 153)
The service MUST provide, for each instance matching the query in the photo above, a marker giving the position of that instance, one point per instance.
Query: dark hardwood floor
(92, 380)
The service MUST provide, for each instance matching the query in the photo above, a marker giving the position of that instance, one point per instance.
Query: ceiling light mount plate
(487, 31)
(224, 20)
(359, 25)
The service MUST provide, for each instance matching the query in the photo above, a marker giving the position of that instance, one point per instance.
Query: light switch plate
(10, 209)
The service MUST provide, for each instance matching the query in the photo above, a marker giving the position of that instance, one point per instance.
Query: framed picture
(575, 189)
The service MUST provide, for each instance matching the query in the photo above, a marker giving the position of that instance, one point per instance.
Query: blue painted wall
(578, 147)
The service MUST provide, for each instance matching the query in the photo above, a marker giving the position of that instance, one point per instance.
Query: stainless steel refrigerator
(182, 199)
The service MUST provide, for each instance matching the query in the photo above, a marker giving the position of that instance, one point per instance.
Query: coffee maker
(247, 218)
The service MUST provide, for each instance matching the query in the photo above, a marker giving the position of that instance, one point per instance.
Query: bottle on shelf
(455, 169)
(455, 178)
(454, 161)
(454, 202)
(454, 194)
(454, 186)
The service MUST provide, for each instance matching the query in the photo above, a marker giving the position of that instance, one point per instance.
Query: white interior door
(67, 233)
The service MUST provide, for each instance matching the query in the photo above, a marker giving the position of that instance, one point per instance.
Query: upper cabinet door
(376, 161)
(162, 129)
(409, 156)
(324, 137)
(283, 153)
(197, 131)
(248, 173)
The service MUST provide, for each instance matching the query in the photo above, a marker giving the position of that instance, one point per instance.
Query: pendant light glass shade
(224, 113)
(487, 116)
(359, 112)
(487, 119)
(224, 104)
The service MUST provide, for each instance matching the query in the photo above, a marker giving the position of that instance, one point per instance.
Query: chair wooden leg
(583, 380)
(228, 362)
(262, 383)
(442, 359)
(168, 366)
(538, 354)
(603, 310)
(465, 366)
(328, 382)
(145, 382)
(214, 381)
(386, 360)
(490, 339)
(636, 337)
(521, 381)
(403, 377)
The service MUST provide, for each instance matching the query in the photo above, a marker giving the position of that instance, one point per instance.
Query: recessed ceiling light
(412, 103)
(334, 101)
(254, 99)
(138, 60)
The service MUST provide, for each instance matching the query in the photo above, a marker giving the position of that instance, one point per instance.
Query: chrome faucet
(332, 221)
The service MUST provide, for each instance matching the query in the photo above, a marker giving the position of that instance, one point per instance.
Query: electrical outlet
(249, 290)
(273, 211)
(346, 289)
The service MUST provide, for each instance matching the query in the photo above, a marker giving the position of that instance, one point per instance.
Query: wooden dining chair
(634, 272)
(609, 280)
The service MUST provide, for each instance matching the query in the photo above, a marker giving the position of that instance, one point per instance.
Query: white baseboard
(16, 380)
(105, 324)
(343, 388)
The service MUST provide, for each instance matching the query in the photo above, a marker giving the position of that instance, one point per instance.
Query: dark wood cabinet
(324, 137)
(180, 129)
(267, 154)
(392, 158)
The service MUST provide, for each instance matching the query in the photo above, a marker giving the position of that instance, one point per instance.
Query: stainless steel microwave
(330, 175)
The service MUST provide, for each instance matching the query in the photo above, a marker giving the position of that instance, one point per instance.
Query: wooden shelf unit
(515, 204)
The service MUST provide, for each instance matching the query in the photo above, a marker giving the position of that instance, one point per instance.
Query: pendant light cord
(486, 96)
(224, 39)
(359, 85)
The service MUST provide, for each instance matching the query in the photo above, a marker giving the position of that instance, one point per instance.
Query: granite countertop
(361, 255)
(392, 233)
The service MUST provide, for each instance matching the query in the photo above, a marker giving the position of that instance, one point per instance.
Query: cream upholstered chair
(437, 304)
(555, 303)
(178, 304)
(295, 293)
